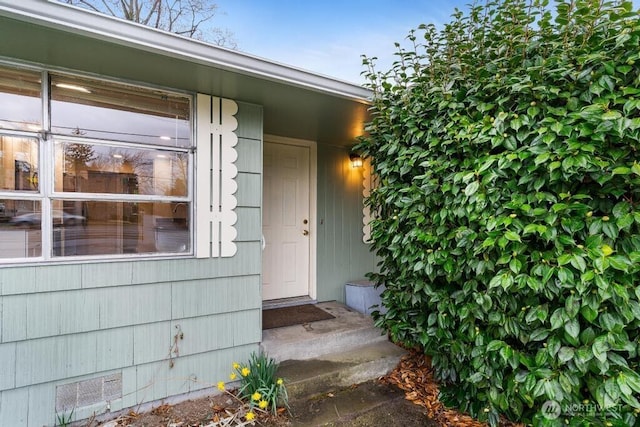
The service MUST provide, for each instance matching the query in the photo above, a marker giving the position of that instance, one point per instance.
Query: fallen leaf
(414, 376)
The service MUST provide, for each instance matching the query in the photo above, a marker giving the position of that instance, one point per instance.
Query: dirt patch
(211, 411)
(413, 376)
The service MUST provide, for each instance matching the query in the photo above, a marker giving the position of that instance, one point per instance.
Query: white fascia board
(95, 25)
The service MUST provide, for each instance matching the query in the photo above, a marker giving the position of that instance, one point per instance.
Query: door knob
(305, 232)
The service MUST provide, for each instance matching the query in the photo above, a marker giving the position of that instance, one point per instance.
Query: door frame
(313, 205)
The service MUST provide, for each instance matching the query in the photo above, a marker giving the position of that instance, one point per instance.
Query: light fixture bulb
(356, 160)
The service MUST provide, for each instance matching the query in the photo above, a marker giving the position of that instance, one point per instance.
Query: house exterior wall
(342, 255)
(162, 327)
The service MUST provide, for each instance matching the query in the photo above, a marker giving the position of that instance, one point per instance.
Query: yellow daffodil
(245, 371)
(263, 404)
(280, 381)
(250, 416)
(607, 250)
(236, 365)
(221, 385)
(256, 396)
(233, 376)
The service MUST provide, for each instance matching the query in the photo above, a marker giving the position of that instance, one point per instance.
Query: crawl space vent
(88, 392)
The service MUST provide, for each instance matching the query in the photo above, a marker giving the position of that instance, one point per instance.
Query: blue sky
(329, 37)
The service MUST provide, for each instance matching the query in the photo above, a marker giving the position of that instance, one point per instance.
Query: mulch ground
(219, 410)
(414, 375)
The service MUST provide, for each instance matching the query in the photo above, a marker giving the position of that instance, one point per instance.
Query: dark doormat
(295, 315)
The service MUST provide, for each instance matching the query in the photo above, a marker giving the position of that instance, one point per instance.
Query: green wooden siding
(249, 155)
(72, 322)
(249, 189)
(249, 224)
(8, 357)
(342, 256)
(14, 407)
(215, 296)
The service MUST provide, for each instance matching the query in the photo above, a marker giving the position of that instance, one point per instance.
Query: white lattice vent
(88, 392)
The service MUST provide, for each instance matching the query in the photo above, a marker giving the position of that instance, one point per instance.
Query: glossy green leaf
(565, 354)
(572, 327)
(600, 347)
(512, 236)
(558, 318)
(572, 306)
(495, 345)
(471, 188)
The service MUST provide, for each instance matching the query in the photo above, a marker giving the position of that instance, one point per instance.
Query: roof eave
(80, 21)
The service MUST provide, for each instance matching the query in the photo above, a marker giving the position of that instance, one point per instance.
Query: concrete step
(349, 329)
(322, 374)
(331, 369)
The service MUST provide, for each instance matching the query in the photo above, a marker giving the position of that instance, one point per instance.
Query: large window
(92, 168)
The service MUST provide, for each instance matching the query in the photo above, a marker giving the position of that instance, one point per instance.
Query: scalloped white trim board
(367, 185)
(215, 177)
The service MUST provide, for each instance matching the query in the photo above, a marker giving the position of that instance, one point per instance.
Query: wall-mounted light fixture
(356, 160)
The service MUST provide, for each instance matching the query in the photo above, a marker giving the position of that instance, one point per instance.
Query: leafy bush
(506, 150)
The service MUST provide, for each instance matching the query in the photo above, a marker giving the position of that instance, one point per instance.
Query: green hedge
(507, 222)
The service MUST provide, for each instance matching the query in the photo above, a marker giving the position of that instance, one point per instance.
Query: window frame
(46, 193)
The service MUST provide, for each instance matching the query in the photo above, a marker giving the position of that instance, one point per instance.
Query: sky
(328, 37)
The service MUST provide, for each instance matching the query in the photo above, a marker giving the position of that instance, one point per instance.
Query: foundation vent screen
(88, 392)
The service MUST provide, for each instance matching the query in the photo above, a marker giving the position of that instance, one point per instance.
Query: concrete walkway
(332, 368)
(369, 404)
(347, 330)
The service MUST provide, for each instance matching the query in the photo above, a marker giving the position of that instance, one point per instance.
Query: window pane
(111, 228)
(18, 163)
(20, 229)
(118, 112)
(20, 104)
(91, 168)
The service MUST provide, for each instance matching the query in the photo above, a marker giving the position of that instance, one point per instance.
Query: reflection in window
(91, 168)
(112, 228)
(20, 103)
(84, 107)
(119, 169)
(20, 228)
(18, 163)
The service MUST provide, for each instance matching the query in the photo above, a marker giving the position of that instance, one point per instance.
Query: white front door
(286, 221)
